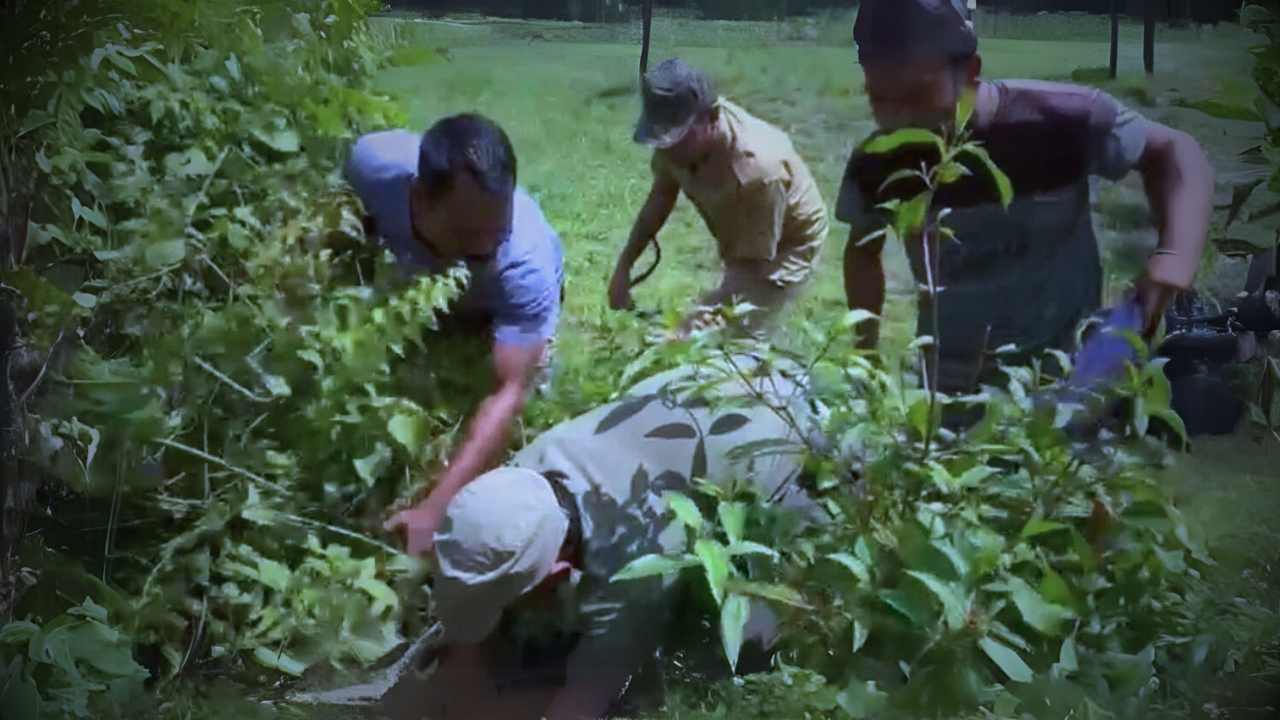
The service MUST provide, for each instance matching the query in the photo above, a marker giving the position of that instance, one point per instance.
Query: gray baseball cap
(501, 536)
(896, 30)
(674, 94)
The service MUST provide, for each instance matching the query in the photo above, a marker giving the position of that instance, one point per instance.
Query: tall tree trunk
(1149, 36)
(11, 480)
(1115, 38)
(647, 12)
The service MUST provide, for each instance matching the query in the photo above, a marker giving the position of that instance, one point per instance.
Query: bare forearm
(649, 222)
(864, 287)
(486, 437)
(1179, 183)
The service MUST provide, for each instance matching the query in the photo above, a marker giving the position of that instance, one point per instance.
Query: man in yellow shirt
(755, 194)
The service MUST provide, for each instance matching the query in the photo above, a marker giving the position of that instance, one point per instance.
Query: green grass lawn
(565, 95)
(570, 108)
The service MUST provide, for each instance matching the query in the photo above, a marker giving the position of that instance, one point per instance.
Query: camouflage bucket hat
(501, 535)
(674, 94)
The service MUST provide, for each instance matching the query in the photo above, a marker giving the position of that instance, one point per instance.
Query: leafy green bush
(224, 349)
(1006, 567)
(78, 665)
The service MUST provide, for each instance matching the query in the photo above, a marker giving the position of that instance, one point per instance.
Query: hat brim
(659, 136)
(468, 617)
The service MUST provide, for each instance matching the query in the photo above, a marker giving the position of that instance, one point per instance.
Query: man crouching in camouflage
(531, 548)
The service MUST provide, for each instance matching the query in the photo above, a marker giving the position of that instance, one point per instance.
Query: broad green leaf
(733, 518)
(918, 416)
(855, 565)
(622, 411)
(974, 476)
(649, 565)
(166, 252)
(863, 551)
(899, 176)
(383, 596)
(1173, 420)
(189, 164)
(282, 140)
(890, 142)
(673, 431)
(1083, 551)
(1129, 673)
(1009, 662)
(273, 574)
(278, 660)
(104, 649)
(1055, 589)
(777, 593)
(410, 431)
(967, 101)
(942, 478)
(911, 604)
(854, 318)
(910, 219)
(726, 424)
(949, 173)
(686, 511)
(19, 695)
(715, 560)
(746, 547)
(861, 632)
(233, 67)
(1002, 631)
(89, 609)
(958, 561)
(18, 632)
(863, 700)
(85, 300)
(371, 466)
(276, 385)
(949, 594)
(1036, 611)
(1003, 185)
(1173, 560)
(1040, 526)
(733, 618)
(1067, 655)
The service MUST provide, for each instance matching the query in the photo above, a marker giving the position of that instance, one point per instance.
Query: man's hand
(1154, 297)
(620, 288)
(486, 437)
(418, 524)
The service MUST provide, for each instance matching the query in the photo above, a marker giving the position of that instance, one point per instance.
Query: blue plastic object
(1103, 357)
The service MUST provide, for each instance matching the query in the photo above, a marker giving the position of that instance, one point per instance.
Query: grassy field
(570, 107)
(565, 93)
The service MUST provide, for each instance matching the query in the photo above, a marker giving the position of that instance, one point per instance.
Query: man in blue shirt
(450, 196)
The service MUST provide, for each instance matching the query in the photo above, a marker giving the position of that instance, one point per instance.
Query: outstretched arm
(864, 285)
(653, 215)
(486, 437)
(1179, 185)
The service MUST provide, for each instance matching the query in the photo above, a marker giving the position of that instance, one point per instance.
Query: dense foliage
(223, 386)
(1020, 565)
(222, 353)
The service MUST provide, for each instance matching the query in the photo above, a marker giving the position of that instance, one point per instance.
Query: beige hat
(500, 537)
